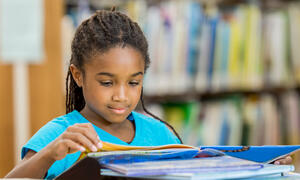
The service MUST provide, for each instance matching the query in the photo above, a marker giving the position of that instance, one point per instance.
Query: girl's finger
(278, 162)
(285, 160)
(80, 139)
(88, 130)
(73, 146)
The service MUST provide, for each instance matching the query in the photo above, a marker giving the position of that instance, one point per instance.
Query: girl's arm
(34, 165)
(75, 138)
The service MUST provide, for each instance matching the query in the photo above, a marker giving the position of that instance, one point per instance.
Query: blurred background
(223, 72)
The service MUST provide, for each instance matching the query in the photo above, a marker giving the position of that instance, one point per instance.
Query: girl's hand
(76, 138)
(284, 161)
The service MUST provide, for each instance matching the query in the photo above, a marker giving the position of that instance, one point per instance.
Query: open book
(163, 160)
(261, 154)
(121, 155)
(106, 146)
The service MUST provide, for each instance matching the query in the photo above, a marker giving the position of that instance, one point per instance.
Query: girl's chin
(117, 118)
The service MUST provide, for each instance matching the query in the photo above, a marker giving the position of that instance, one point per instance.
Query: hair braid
(74, 96)
(103, 25)
(68, 99)
(155, 117)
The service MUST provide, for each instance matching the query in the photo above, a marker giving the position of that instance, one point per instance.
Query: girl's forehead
(116, 59)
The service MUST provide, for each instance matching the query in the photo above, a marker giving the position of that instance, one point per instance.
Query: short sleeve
(41, 139)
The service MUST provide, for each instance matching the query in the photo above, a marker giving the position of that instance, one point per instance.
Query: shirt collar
(130, 117)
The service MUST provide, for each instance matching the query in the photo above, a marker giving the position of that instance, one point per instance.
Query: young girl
(104, 85)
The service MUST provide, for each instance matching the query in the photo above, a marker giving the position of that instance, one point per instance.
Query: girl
(104, 85)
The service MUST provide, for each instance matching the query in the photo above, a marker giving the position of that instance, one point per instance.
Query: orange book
(106, 146)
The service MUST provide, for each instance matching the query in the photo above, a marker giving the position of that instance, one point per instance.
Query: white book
(268, 170)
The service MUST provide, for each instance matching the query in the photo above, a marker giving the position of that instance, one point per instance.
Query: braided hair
(102, 31)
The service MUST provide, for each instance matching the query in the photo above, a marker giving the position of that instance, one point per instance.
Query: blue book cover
(195, 14)
(261, 154)
(213, 25)
(133, 156)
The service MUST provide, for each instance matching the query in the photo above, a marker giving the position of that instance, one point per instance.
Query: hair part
(98, 34)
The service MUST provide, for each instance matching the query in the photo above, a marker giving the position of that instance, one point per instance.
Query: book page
(115, 147)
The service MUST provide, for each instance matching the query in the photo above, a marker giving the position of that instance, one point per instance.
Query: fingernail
(99, 145)
(277, 163)
(94, 148)
(82, 149)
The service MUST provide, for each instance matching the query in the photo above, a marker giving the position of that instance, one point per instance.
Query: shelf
(210, 95)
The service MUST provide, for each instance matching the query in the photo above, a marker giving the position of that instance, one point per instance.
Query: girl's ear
(76, 74)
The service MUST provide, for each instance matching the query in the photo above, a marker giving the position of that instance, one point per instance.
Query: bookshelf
(227, 68)
(204, 96)
(244, 50)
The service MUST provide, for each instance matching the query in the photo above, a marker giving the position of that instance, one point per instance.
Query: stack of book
(182, 162)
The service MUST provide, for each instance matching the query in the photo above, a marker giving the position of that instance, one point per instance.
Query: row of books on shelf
(213, 49)
(240, 47)
(236, 119)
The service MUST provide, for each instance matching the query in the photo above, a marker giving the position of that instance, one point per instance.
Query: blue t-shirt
(148, 132)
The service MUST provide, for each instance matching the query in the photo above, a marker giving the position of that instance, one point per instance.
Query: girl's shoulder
(68, 119)
(150, 129)
(58, 125)
(142, 117)
(147, 121)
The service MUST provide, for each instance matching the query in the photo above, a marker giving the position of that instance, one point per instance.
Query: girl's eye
(134, 83)
(106, 83)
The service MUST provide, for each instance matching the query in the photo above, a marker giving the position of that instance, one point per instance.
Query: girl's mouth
(117, 110)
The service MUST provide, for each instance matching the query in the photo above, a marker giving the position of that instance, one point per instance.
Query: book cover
(201, 78)
(294, 26)
(133, 156)
(234, 61)
(267, 171)
(261, 154)
(195, 165)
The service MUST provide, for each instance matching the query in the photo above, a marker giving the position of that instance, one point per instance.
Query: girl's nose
(119, 94)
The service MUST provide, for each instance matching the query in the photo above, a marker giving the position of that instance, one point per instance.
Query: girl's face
(112, 84)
